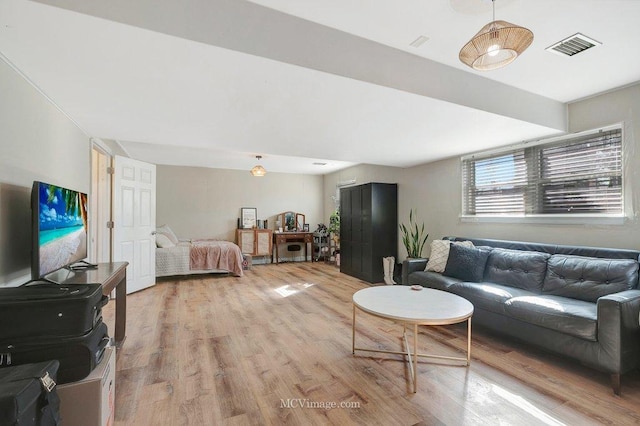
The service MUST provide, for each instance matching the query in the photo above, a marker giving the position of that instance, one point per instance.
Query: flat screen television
(59, 226)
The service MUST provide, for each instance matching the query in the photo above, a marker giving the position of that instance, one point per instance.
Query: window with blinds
(576, 175)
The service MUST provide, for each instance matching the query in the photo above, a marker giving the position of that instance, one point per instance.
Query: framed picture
(305, 227)
(248, 217)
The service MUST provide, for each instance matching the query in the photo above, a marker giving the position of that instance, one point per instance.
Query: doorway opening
(100, 205)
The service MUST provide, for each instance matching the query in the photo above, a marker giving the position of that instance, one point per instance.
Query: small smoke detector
(318, 163)
(573, 45)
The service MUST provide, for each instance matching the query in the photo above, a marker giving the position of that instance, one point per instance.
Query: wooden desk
(112, 276)
(291, 237)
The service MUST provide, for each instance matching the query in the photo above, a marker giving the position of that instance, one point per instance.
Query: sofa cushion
(466, 263)
(431, 280)
(588, 278)
(516, 268)
(440, 254)
(570, 316)
(487, 296)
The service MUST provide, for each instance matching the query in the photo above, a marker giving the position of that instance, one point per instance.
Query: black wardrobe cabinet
(368, 229)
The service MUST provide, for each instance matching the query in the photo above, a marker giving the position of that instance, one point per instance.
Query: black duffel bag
(28, 394)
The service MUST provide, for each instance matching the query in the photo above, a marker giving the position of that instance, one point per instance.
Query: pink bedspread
(214, 254)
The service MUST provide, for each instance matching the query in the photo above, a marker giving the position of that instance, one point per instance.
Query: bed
(201, 256)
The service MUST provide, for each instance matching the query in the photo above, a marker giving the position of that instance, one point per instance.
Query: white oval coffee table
(413, 307)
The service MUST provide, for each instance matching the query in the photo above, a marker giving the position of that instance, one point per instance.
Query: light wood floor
(274, 347)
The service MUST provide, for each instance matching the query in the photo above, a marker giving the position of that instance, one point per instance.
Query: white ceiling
(214, 83)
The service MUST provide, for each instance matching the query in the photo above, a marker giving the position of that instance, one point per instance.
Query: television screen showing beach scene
(62, 227)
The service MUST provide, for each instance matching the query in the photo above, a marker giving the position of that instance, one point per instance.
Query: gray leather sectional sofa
(580, 302)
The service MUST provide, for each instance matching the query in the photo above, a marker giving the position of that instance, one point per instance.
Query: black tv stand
(81, 266)
(42, 280)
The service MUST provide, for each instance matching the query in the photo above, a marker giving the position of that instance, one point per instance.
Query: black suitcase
(50, 310)
(28, 395)
(78, 355)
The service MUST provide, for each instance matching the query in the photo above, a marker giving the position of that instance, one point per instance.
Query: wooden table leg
(415, 358)
(469, 341)
(353, 332)
(121, 312)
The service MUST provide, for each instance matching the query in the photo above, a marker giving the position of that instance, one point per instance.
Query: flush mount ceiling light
(497, 44)
(258, 170)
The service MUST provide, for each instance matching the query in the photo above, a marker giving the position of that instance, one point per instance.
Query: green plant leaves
(413, 237)
(334, 222)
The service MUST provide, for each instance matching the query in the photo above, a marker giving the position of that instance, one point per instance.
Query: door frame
(101, 202)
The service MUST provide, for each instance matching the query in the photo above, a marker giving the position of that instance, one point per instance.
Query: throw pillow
(438, 256)
(466, 263)
(163, 241)
(165, 230)
(440, 253)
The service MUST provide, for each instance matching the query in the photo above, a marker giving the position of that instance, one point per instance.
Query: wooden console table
(292, 237)
(112, 276)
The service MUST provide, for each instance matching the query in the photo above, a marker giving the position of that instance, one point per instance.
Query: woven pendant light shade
(497, 44)
(258, 170)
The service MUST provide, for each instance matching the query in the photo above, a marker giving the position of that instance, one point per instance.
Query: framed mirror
(289, 221)
(300, 221)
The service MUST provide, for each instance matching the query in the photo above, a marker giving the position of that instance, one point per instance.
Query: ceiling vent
(419, 41)
(573, 45)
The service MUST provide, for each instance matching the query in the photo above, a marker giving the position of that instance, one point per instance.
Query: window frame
(547, 218)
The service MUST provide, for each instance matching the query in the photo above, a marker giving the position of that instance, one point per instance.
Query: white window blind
(576, 175)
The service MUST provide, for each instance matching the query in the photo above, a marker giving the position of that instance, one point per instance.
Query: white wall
(200, 202)
(37, 142)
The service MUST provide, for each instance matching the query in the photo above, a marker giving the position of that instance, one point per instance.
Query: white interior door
(134, 217)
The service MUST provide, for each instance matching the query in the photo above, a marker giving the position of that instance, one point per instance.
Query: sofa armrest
(624, 305)
(412, 265)
(619, 330)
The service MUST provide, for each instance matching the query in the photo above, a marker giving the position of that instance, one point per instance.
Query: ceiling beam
(256, 30)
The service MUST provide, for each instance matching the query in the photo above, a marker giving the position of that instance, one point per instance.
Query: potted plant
(413, 237)
(334, 225)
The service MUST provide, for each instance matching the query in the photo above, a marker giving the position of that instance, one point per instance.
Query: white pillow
(163, 241)
(440, 254)
(165, 230)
